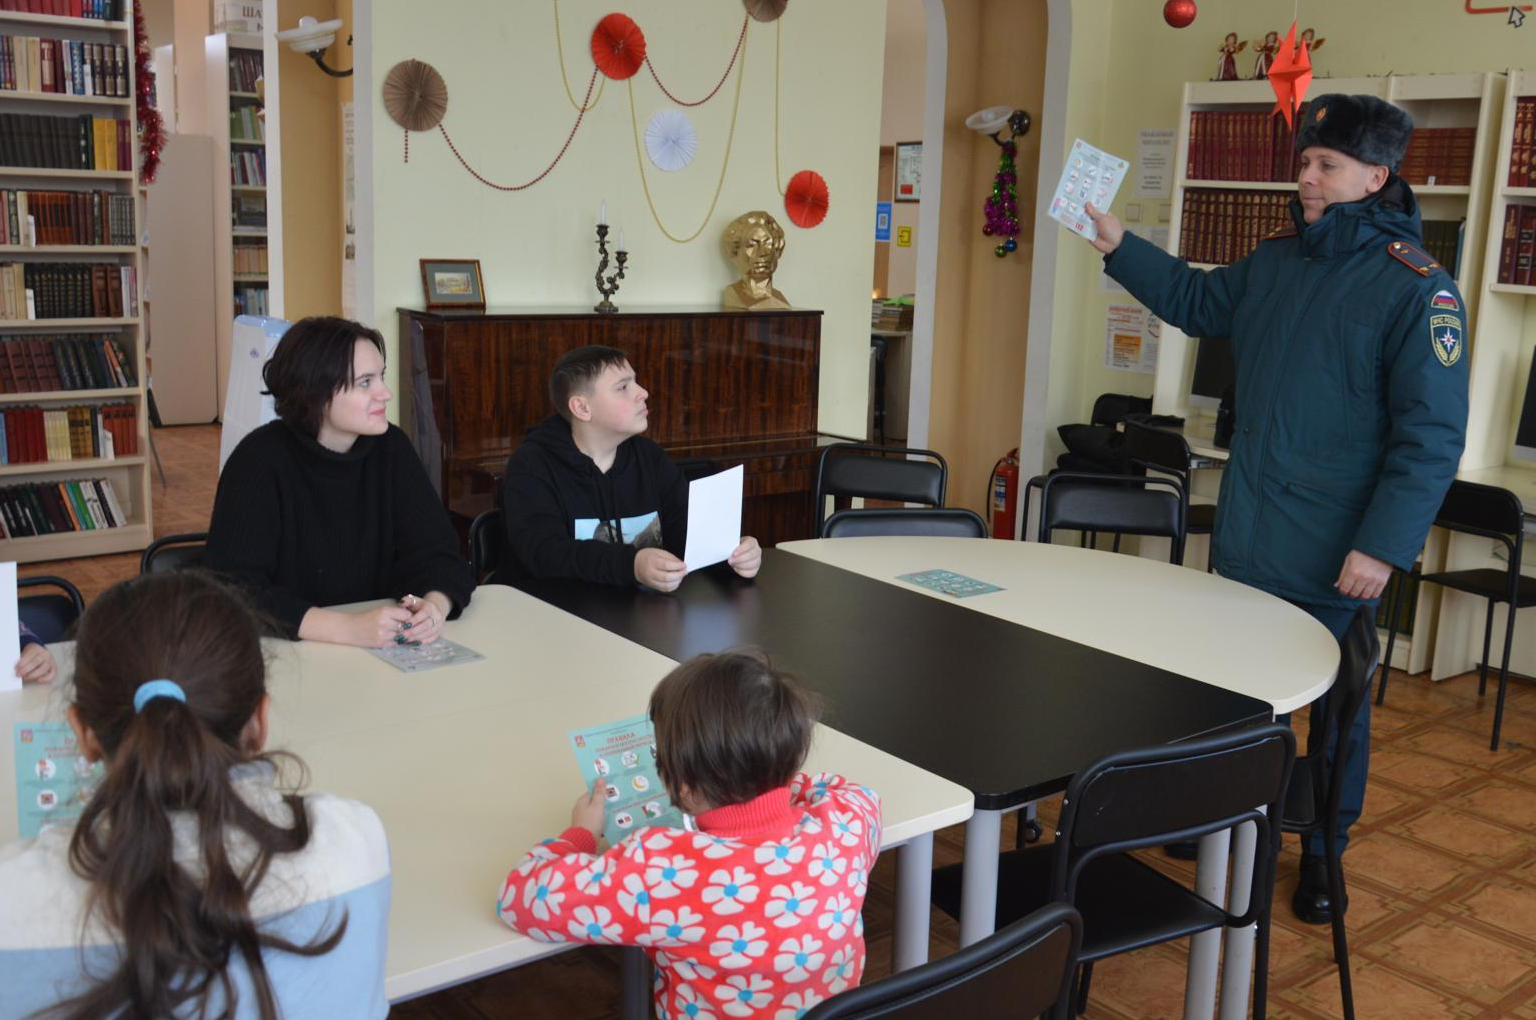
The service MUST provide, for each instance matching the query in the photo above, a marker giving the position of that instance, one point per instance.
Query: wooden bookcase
(232, 113)
(1474, 100)
(129, 475)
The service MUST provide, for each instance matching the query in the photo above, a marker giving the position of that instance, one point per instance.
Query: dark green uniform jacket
(1350, 346)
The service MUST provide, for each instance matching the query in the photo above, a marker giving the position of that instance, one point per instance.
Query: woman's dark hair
(313, 363)
(730, 727)
(180, 931)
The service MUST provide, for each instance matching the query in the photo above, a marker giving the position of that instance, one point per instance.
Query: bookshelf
(62, 351)
(243, 239)
(1442, 103)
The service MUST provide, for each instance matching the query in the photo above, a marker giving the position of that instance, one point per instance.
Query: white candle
(621, 240)
(602, 213)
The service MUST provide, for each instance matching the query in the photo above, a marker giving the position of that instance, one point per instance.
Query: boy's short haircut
(730, 727)
(576, 371)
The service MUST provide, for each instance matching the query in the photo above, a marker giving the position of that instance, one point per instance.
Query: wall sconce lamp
(994, 120)
(311, 38)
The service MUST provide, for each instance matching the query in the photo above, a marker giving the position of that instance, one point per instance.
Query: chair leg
(1498, 710)
(1392, 611)
(1085, 976)
(1482, 671)
(1340, 942)
(1261, 963)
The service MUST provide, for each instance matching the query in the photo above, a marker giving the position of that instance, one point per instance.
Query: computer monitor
(1525, 432)
(1214, 371)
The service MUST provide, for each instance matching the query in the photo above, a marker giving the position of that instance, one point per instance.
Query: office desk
(998, 701)
(1200, 434)
(469, 766)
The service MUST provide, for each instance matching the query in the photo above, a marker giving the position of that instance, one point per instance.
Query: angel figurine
(1265, 51)
(1226, 67)
(1313, 44)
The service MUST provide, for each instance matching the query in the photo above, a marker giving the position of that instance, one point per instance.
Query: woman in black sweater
(330, 503)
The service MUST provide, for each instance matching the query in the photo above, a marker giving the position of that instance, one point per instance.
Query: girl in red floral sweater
(757, 914)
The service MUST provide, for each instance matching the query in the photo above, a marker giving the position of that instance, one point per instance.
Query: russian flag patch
(1446, 301)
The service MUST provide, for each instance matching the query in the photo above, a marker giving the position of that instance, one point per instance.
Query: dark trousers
(1358, 740)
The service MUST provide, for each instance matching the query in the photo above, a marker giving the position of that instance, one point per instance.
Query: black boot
(1312, 902)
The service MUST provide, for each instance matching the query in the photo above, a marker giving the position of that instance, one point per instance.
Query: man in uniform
(1349, 343)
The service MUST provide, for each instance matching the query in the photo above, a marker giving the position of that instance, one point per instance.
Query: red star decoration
(1290, 75)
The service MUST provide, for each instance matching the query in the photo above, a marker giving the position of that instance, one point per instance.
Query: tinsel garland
(151, 127)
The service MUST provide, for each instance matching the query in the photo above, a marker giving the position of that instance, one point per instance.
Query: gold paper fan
(415, 95)
(766, 10)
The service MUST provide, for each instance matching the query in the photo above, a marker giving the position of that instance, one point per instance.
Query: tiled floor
(1442, 869)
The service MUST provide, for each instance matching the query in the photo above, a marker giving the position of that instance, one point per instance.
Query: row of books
(251, 299)
(1439, 156)
(1517, 246)
(244, 69)
(48, 508)
(248, 167)
(96, 10)
(66, 217)
(47, 435)
(250, 259)
(53, 363)
(249, 211)
(29, 63)
(1443, 240)
(1522, 156)
(890, 315)
(68, 290)
(1240, 145)
(65, 143)
(1220, 226)
(246, 126)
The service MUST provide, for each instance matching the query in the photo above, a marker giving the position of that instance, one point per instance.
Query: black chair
(1022, 971)
(1312, 802)
(1117, 504)
(1134, 800)
(173, 552)
(1488, 512)
(1166, 451)
(49, 616)
(486, 534)
(848, 470)
(951, 522)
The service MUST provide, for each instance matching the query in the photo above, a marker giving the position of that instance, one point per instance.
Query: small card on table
(623, 756)
(947, 582)
(54, 781)
(420, 658)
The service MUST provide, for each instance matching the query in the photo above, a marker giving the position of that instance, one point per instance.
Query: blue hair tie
(152, 689)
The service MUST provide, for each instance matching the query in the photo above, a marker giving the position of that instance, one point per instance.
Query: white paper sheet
(10, 629)
(714, 518)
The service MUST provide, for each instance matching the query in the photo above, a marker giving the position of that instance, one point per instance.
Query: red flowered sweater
(758, 914)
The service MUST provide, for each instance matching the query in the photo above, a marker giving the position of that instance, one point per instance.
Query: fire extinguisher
(1004, 486)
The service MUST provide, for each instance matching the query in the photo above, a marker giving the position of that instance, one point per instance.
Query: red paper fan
(806, 199)
(618, 46)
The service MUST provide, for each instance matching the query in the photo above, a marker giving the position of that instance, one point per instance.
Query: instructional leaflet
(947, 582)
(54, 781)
(420, 658)
(623, 756)
(1091, 175)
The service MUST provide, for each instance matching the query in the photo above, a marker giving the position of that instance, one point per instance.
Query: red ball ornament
(1179, 13)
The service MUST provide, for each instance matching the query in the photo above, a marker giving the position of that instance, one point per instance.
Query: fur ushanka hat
(1369, 129)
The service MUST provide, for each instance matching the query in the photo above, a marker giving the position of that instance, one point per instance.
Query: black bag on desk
(1100, 445)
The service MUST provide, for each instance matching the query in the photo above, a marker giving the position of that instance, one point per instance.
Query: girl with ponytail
(196, 884)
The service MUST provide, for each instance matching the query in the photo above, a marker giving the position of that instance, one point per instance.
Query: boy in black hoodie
(587, 496)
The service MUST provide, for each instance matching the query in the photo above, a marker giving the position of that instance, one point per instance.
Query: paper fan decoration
(806, 199)
(618, 46)
(415, 95)
(670, 140)
(766, 10)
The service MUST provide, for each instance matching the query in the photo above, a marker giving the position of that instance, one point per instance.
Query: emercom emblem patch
(1445, 337)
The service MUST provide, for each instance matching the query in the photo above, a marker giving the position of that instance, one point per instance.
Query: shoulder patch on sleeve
(1445, 337)
(1412, 257)
(1278, 234)
(1444, 301)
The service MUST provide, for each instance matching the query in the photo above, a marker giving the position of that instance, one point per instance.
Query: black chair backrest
(1158, 449)
(50, 615)
(1489, 511)
(173, 552)
(1021, 971)
(1149, 797)
(1359, 653)
(942, 522)
(1116, 504)
(486, 534)
(878, 472)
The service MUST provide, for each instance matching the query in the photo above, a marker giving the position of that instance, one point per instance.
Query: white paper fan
(670, 140)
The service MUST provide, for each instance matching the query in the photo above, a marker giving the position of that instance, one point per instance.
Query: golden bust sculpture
(753, 243)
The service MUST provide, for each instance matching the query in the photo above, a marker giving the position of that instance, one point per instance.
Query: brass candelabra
(608, 286)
